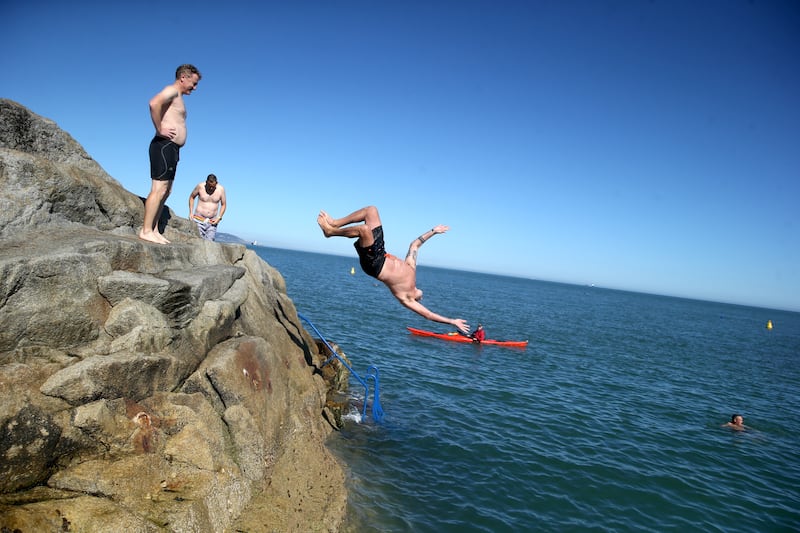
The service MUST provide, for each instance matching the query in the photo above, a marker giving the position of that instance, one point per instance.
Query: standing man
(399, 276)
(169, 118)
(210, 207)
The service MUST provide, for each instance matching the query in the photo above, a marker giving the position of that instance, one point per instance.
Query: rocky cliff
(145, 387)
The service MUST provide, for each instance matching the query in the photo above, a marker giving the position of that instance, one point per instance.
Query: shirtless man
(399, 276)
(737, 423)
(169, 118)
(210, 207)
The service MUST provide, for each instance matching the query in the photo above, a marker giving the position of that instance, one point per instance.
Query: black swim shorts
(164, 155)
(373, 256)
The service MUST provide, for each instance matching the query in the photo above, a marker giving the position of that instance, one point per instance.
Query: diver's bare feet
(329, 219)
(153, 236)
(324, 221)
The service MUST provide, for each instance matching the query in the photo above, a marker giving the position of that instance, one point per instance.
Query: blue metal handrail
(377, 410)
(372, 373)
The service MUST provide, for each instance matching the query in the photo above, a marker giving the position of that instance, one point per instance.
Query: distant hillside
(230, 238)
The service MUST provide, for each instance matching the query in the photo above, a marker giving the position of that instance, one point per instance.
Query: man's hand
(167, 133)
(440, 229)
(462, 325)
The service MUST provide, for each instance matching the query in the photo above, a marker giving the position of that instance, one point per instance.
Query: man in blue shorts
(168, 114)
(399, 276)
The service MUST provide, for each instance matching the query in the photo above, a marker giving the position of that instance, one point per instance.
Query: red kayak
(458, 337)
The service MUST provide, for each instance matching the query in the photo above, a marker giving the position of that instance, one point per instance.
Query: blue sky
(651, 146)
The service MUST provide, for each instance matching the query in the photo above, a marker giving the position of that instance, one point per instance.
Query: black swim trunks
(373, 256)
(164, 155)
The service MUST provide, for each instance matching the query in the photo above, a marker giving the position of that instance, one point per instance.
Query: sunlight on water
(609, 420)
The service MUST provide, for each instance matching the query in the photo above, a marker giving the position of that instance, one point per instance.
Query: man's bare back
(399, 277)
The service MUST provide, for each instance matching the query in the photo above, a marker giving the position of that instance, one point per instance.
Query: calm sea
(608, 421)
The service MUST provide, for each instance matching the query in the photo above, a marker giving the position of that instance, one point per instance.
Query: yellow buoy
(352, 270)
(769, 324)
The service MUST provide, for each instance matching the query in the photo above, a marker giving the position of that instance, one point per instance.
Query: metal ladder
(372, 373)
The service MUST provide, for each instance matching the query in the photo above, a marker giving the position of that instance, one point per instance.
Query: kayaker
(479, 334)
(400, 276)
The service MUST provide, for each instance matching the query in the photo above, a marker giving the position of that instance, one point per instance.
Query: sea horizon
(249, 244)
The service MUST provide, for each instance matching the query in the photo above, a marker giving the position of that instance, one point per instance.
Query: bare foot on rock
(153, 236)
